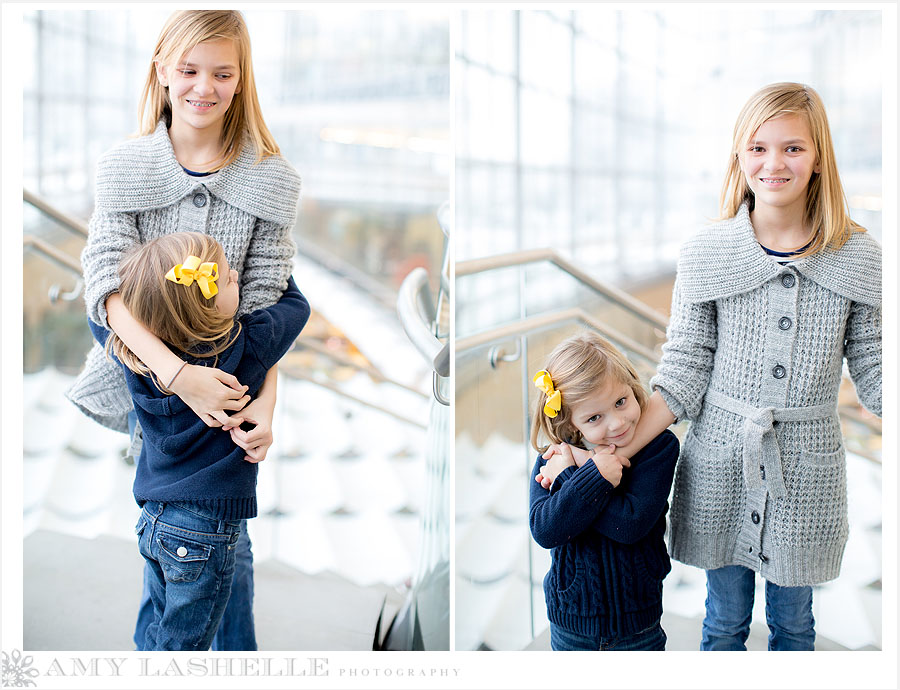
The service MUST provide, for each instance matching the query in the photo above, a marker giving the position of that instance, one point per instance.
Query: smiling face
(202, 84)
(779, 161)
(607, 416)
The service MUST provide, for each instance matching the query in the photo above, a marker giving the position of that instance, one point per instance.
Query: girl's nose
(614, 425)
(774, 161)
(203, 86)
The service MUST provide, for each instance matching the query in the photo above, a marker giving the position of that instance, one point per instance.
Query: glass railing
(540, 283)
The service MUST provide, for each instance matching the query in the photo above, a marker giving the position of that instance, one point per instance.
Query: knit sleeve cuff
(589, 483)
(675, 407)
(561, 478)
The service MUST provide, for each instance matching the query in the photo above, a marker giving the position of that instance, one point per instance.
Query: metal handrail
(67, 221)
(530, 256)
(51, 252)
(416, 315)
(536, 323)
(305, 343)
(301, 374)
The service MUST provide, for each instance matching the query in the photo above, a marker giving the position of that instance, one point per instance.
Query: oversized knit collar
(724, 259)
(142, 174)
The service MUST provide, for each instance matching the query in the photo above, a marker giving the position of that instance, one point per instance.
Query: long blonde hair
(181, 33)
(579, 366)
(827, 214)
(178, 315)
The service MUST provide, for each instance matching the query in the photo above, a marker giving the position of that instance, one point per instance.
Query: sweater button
(755, 517)
(784, 323)
(788, 280)
(779, 371)
(199, 200)
(182, 552)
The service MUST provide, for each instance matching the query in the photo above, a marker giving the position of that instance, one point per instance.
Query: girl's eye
(756, 149)
(223, 76)
(620, 402)
(187, 72)
(794, 149)
(594, 418)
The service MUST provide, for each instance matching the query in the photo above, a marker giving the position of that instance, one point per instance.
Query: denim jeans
(237, 631)
(729, 607)
(651, 639)
(191, 558)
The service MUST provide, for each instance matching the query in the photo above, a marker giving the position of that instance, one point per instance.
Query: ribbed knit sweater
(753, 359)
(607, 544)
(184, 460)
(141, 193)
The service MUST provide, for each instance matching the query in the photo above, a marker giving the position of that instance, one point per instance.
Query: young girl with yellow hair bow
(192, 482)
(602, 516)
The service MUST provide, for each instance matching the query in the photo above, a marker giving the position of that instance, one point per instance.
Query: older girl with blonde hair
(769, 302)
(204, 161)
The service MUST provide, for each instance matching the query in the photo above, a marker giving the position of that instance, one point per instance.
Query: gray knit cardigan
(753, 359)
(142, 193)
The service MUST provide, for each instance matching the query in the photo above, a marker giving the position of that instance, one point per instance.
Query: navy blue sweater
(182, 459)
(608, 546)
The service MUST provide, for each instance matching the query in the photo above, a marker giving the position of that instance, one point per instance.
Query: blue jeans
(651, 639)
(729, 608)
(190, 556)
(237, 631)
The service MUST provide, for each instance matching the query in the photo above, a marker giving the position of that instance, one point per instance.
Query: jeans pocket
(182, 559)
(139, 527)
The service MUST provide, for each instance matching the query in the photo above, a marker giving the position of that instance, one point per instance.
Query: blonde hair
(579, 366)
(178, 315)
(180, 34)
(827, 214)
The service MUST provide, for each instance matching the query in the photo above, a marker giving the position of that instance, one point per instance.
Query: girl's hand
(558, 462)
(610, 465)
(209, 392)
(255, 441)
(580, 455)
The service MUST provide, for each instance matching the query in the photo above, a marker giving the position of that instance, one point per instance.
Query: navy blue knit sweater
(182, 459)
(608, 546)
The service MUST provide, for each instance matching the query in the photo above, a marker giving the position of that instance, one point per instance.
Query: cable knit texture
(608, 549)
(142, 193)
(753, 359)
(182, 459)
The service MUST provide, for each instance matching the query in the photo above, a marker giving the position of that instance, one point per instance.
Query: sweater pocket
(708, 485)
(815, 511)
(567, 572)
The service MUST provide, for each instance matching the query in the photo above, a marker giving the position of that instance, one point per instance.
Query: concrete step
(93, 606)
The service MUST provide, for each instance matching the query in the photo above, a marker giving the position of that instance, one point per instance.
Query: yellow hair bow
(206, 275)
(554, 400)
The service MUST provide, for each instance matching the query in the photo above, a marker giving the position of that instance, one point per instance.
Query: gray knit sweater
(141, 193)
(753, 359)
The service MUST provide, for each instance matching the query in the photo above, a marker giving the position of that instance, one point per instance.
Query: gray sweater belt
(761, 455)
